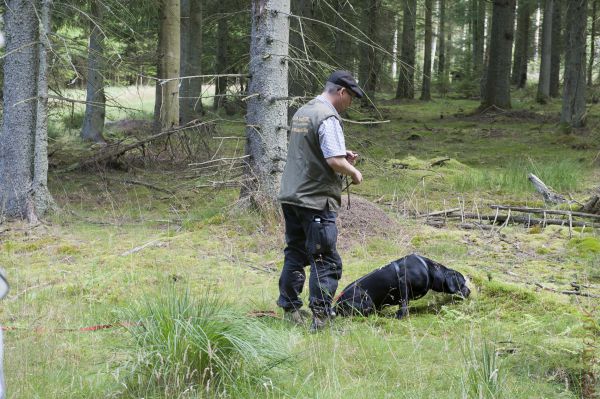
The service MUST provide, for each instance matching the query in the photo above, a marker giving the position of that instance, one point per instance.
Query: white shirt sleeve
(331, 138)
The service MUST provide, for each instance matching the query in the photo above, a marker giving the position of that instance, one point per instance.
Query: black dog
(397, 283)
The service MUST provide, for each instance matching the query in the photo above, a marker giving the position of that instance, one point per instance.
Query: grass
(184, 346)
(76, 271)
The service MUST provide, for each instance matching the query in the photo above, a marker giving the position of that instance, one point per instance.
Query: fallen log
(529, 221)
(548, 195)
(545, 211)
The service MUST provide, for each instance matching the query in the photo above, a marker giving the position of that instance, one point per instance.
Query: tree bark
(184, 86)
(23, 138)
(442, 74)
(406, 78)
(573, 108)
(222, 56)
(169, 53)
(543, 92)
(266, 118)
(556, 50)
(497, 87)
(426, 87)
(521, 56)
(95, 108)
(370, 59)
(590, 70)
(190, 104)
(478, 32)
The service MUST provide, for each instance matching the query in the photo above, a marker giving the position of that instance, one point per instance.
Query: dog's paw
(400, 314)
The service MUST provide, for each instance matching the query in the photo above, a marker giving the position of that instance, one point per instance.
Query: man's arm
(341, 165)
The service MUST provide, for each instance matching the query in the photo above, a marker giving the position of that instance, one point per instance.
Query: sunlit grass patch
(564, 176)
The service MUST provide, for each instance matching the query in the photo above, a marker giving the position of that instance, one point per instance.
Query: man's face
(346, 98)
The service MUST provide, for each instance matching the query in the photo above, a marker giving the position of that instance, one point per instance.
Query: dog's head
(455, 283)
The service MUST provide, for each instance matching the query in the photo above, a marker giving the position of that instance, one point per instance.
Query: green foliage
(181, 344)
(484, 375)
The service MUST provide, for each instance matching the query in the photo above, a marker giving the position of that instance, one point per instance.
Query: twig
(438, 213)
(566, 292)
(107, 154)
(364, 123)
(138, 249)
(219, 160)
(140, 183)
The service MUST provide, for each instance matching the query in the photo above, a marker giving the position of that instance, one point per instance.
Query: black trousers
(311, 238)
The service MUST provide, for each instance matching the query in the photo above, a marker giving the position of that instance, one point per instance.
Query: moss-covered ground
(77, 269)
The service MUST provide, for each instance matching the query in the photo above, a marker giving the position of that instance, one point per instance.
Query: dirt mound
(365, 220)
(522, 115)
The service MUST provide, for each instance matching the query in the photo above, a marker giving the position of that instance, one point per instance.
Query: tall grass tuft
(183, 347)
(483, 377)
(563, 175)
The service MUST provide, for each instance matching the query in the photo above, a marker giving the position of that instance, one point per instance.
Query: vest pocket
(321, 237)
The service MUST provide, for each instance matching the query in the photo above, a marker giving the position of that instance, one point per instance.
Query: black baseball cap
(345, 79)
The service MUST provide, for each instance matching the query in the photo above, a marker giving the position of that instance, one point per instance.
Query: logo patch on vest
(300, 124)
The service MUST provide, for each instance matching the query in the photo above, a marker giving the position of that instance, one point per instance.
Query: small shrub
(184, 345)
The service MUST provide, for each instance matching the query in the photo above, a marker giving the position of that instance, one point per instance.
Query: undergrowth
(182, 345)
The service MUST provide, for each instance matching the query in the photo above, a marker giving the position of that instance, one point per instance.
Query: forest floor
(119, 236)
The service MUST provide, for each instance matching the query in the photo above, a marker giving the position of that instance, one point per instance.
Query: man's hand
(340, 164)
(351, 156)
(357, 177)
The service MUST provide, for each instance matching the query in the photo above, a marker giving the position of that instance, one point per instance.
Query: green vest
(308, 180)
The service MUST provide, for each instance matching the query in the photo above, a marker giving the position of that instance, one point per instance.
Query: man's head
(341, 88)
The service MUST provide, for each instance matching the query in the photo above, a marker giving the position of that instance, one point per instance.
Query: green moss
(584, 246)
(498, 290)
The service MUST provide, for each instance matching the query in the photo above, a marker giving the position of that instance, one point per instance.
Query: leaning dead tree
(266, 119)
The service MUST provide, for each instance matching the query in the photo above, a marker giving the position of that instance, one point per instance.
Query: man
(310, 195)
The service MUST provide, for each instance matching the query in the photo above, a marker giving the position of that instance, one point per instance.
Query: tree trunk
(95, 108)
(184, 86)
(573, 108)
(190, 104)
(426, 87)
(406, 78)
(23, 138)
(521, 57)
(442, 74)
(556, 50)
(543, 92)
(478, 32)
(266, 134)
(497, 88)
(590, 70)
(169, 51)
(221, 61)
(370, 60)
(344, 44)
(486, 53)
